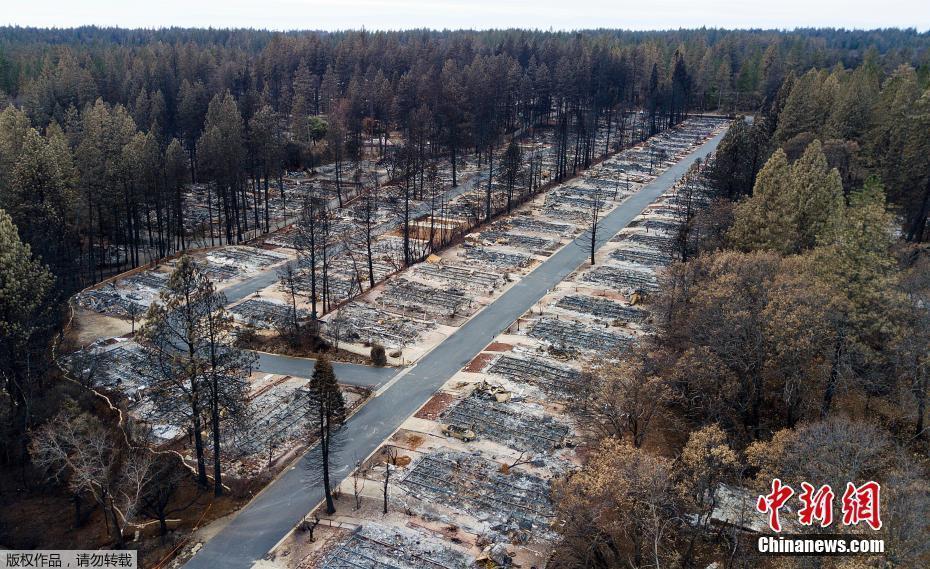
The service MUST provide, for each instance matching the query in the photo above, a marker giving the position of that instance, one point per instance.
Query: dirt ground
(435, 406)
(89, 326)
(479, 362)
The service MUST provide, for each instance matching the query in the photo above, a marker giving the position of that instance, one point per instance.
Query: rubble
(556, 378)
(602, 308)
(126, 298)
(378, 547)
(536, 245)
(366, 324)
(650, 258)
(278, 412)
(244, 258)
(497, 259)
(506, 424)
(119, 365)
(417, 297)
(458, 275)
(562, 334)
(475, 485)
(656, 241)
(532, 224)
(657, 225)
(672, 212)
(622, 279)
(220, 272)
(498, 393)
(109, 300)
(265, 314)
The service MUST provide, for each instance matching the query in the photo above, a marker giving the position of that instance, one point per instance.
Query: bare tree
(336, 326)
(158, 497)
(523, 458)
(309, 526)
(289, 284)
(84, 366)
(306, 245)
(689, 201)
(511, 163)
(622, 397)
(324, 242)
(357, 484)
(227, 370)
(598, 202)
(133, 310)
(78, 451)
(390, 463)
(369, 209)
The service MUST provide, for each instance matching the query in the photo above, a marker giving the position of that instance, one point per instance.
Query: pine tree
(914, 195)
(737, 160)
(328, 411)
(176, 179)
(41, 202)
(851, 115)
(806, 108)
(221, 155)
(854, 262)
(26, 329)
(790, 206)
(767, 219)
(195, 369)
(817, 192)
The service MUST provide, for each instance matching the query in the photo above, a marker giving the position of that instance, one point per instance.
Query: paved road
(272, 514)
(352, 374)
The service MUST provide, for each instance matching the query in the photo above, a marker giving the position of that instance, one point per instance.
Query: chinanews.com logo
(859, 506)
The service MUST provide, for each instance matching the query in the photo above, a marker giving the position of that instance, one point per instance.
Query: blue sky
(480, 14)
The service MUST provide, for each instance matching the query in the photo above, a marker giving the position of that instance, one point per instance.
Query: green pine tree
(817, 193)
(328, 411)
(767, 219)
(26, 330)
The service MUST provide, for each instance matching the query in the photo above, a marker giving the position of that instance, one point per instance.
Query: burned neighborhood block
(378, 547)
(504, 423)
(641, 257)
(476, 486)
(577, 336)
(622, 279)
(660, 242)
(602, 308)
(248, 259)
(531, 224)
(497, 258)
(657, 224)
(460, 276)
(366, 324)
(266, 314)
(534, 244)
(556, 378)
(418, 297)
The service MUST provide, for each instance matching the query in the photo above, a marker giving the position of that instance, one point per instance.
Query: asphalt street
(271, 515)
(352, 374)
